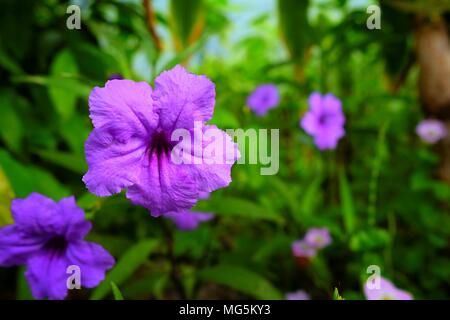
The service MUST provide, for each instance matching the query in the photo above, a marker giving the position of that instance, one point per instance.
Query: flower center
(319, 240)
(432, 133)
(160, 144)
(56, 244)
(265, 98)
(324, 119)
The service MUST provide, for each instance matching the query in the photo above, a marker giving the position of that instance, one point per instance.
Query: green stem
(376, 166)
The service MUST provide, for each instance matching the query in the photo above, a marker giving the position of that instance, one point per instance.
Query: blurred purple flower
(301, 248)
(386, 291)
(324, 120)
(47, 237)
(318, 238)
(431, 131)
(263, 98)
(188, 220)
(298, 295)
(130, 146)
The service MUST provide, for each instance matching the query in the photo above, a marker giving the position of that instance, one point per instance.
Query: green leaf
(115, 244)
(64, 83)
(277, 244)
(64, 99)
(116, 292)
(111, 44)
(322, 276)
(89, 201)
(194, 243)
(9, 64)
(6, 196)
(11, 129)
(128, 263)
(336, 295)
(186, 21)
(45, 183)
(72, 162)
(242, 280)
(27, 179)
(295, 30)
(287, 192)
(154, 284)
(369, 240)
(233, 206)
(309, 200)
(75, 131)
(23, 291)
(92, 61)
(17, 175)
(224, 118)
(184, 54)
(347, 208)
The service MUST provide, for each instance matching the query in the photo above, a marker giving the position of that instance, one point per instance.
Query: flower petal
(37, 214)
(113, 165)
(163, 186)
(385, 291)
(328, 138)
(46, 275)
(17, 246)
(77, 227)
(331, 103)
(298, 295)
(301, 248)
(93, 261)
(125, 107)
(309, 122)
(182, 98)
(210, 166)
(315, 102)
(188, 220)
(403, 295)
(318, 238)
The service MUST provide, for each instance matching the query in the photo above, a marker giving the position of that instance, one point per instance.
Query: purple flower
(318, 238)
(47, 237)
(263, 98)
(131, 144)
(298, 295)
(324, 120)
(385, 291)
(301, 248)
(431, 131)
(188, 220)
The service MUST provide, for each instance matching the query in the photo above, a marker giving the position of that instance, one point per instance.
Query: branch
(151, 24)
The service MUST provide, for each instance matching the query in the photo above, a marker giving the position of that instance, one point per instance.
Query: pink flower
(385, 291)
(301, 248)
(431, 131)
(318, 238)
(298, 295)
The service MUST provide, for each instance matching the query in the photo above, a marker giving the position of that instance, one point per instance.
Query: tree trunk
(433, 57)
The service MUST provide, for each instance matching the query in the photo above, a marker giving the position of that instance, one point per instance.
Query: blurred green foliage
(377, 193)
